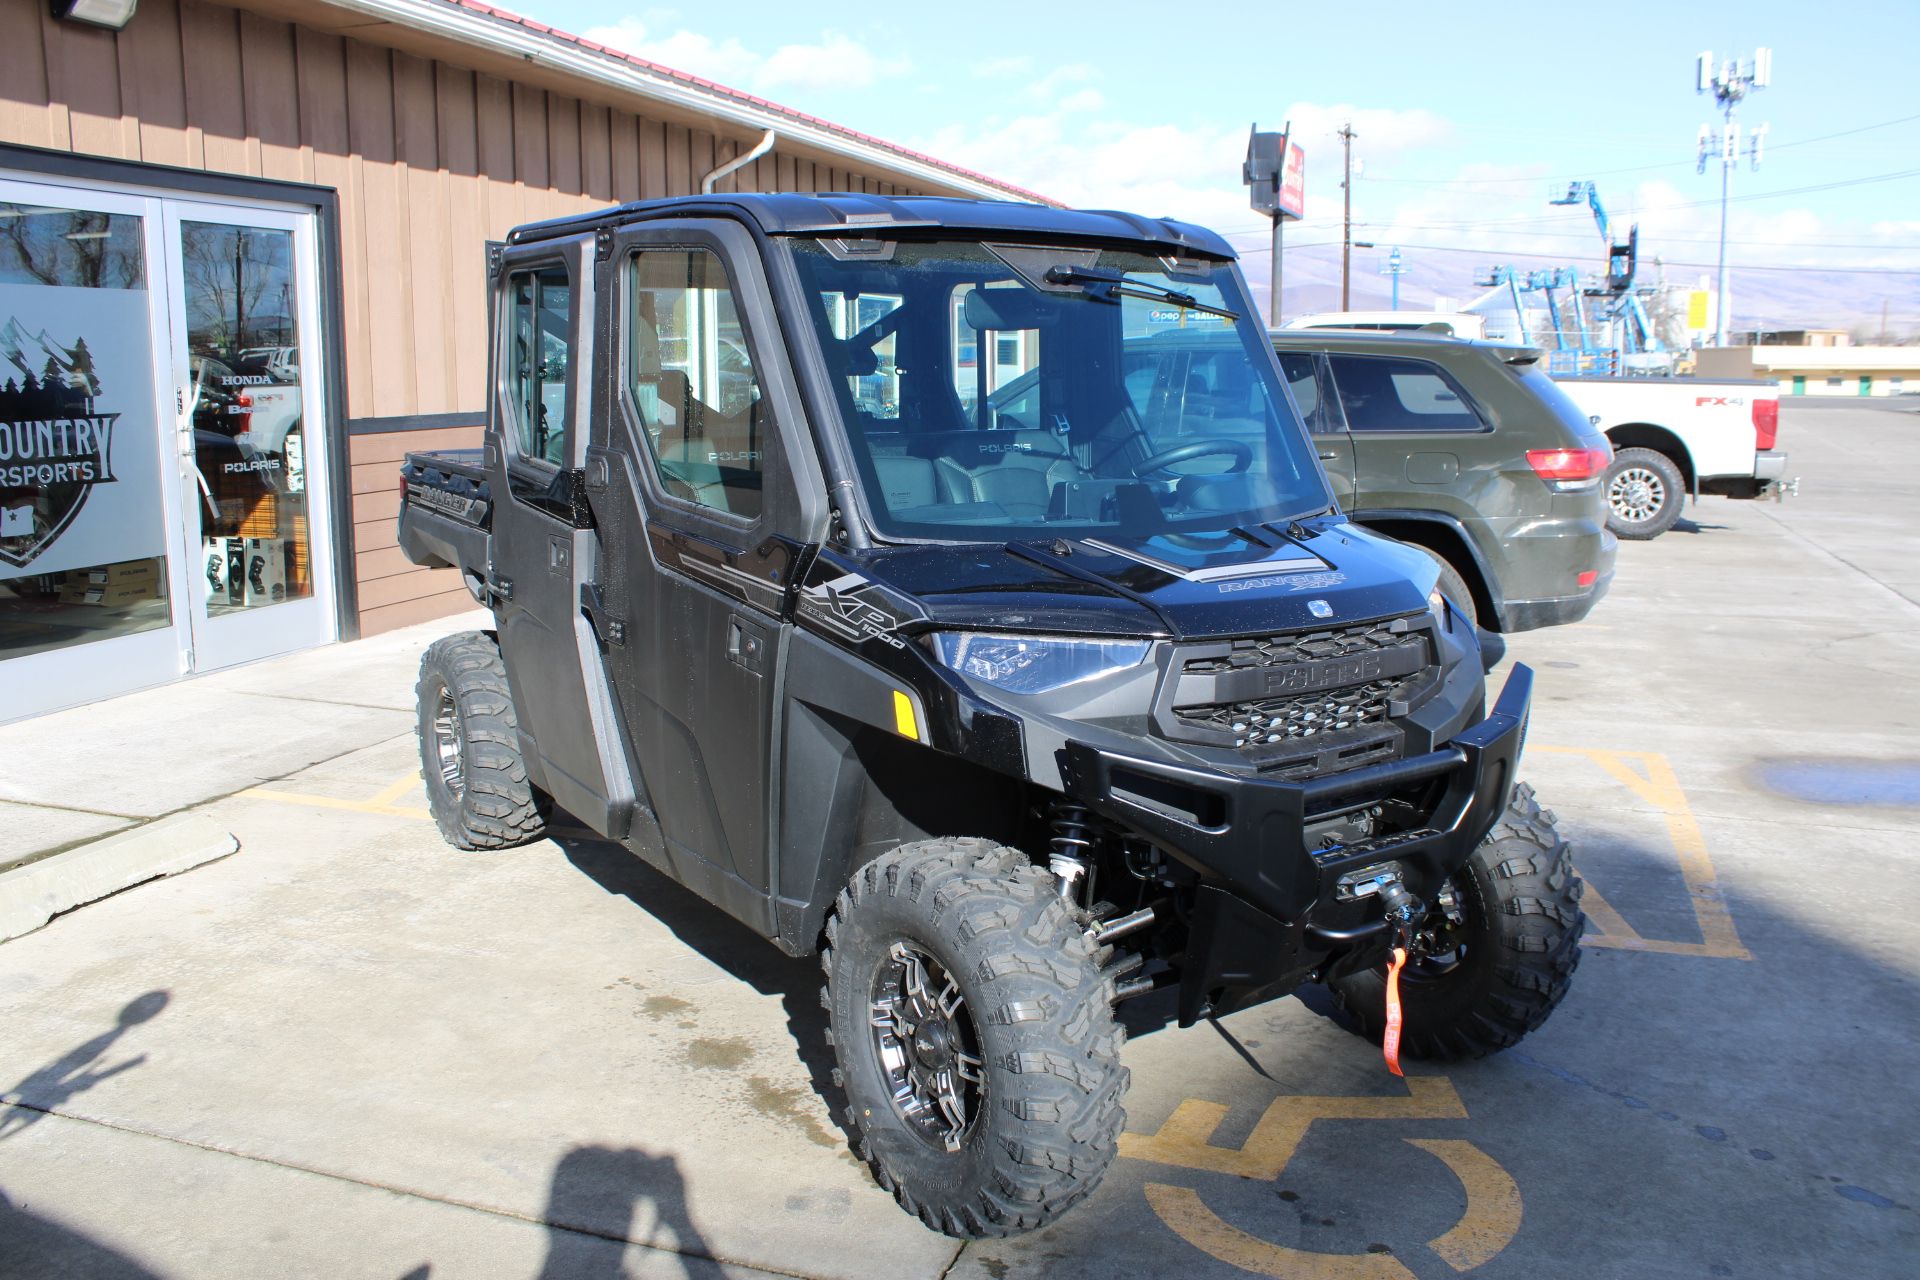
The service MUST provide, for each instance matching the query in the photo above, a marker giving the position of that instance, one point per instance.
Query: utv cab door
(706, 493)
(543, 546)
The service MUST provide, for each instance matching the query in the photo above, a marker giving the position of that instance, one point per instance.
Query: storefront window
(82, 527)
(245, 399)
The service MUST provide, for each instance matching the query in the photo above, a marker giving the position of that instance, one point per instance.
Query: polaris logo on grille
(1330, 673)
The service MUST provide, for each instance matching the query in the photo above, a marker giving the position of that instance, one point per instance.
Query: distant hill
(1761, 299)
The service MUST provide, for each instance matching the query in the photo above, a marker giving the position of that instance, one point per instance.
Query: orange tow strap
(1390, 1042)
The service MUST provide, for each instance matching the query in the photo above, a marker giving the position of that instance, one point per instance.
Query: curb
(36, 893)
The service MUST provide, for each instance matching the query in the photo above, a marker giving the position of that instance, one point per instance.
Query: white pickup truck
(1675, 435)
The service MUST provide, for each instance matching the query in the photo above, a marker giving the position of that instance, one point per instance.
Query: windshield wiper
(1112, 286)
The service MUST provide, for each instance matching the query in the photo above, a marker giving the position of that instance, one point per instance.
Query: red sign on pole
(1276, 175)
(1293, 184)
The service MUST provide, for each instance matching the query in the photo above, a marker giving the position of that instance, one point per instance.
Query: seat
(907, 483)
(1014, 470)
(705, 455)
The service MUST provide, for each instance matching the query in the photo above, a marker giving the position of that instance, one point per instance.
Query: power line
(1638, 168)
(1379, 227)
(1255, 251)
(1523, 221)
(1641, 211)
(1484, 253)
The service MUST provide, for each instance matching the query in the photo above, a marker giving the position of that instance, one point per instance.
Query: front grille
(1311, 702)
(1297, 718)
(1271, 651)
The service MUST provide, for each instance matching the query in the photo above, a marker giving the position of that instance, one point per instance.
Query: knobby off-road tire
(477, 785)
(1045, 1118)
(1520, 946)
(1644, 491)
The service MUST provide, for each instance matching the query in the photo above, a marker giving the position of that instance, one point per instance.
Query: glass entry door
(91, 565)
(162, 466)
(247, 390)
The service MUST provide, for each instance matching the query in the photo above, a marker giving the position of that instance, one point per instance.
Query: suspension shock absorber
(1071, 842)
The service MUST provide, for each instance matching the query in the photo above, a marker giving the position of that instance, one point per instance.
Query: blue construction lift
(1611, 333)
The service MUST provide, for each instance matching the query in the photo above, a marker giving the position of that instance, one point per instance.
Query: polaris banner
(79, 448)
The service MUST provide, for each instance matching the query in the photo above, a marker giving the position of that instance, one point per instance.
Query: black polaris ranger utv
(1010, 711)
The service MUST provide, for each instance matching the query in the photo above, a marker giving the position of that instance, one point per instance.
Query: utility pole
(1347, 135)
(1729, 83)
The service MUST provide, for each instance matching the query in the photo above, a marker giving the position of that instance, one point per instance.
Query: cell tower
(1729, 82)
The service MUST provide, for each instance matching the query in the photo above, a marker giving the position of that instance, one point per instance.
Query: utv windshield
(998, 392)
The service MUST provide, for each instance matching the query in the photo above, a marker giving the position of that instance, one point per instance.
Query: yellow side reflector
(904, 720)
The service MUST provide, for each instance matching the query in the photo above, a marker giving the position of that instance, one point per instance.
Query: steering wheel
(1242, 456)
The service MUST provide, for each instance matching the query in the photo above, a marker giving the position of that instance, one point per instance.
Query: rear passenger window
(1383, 393)
(540, 328)
(1298, 366)
(693, 381)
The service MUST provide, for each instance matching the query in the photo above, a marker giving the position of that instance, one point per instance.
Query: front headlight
(1035, 664)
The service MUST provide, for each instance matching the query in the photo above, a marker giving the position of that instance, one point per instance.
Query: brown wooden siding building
(440, 124)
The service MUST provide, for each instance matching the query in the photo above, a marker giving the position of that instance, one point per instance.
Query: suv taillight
(1569, 470)
(1766, 423)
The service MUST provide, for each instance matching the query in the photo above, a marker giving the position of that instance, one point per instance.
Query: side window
(540, 326)
(1298, 366)
(867, 350)
(999, 363)
(1389, 394)
(693, 380)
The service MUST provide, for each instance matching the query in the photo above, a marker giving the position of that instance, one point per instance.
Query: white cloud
(1379, 133)
(836, 61)
(1060, 78)
(1000, 68)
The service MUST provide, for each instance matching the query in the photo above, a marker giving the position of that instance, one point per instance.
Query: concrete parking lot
(350, 1051)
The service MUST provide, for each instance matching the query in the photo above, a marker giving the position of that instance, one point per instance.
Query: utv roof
(866, 215)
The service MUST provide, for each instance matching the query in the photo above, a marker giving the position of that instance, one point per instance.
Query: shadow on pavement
(1684, 525)
(51, 1086)
(594, 1207)
(33, 1246)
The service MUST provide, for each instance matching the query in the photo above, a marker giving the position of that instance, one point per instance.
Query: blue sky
(1467, 116)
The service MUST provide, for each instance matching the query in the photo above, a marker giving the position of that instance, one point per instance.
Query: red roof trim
(737, 95)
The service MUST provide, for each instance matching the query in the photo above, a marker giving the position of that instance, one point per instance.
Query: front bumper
(1266, 915)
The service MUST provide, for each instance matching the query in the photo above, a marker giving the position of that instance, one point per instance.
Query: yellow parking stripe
(1493, 1205)
(1182, 1209)
(380, 803)
(397, 788)
(1488, 1224)
(1660, 788)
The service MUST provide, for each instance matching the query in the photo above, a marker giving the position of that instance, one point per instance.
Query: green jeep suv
(1468, 451)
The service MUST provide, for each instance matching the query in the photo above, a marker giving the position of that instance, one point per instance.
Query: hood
(1188, 587)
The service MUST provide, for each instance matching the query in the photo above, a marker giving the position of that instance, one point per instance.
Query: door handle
(746, 644)
(1329, 455)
